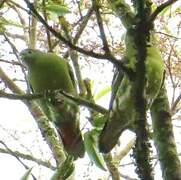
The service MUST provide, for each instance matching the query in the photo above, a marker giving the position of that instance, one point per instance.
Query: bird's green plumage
(48, 72)
(122, 114)
(47, 80)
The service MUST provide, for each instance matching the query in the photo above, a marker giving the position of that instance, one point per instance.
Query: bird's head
(29, 56)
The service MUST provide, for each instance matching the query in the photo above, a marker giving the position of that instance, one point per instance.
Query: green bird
(48, 72)
(122, 109)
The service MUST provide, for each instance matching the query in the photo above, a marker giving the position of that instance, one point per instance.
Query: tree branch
(78, 100)
(83, 102)
(12, 62)
(17, 157)
(160, 8)
(164, 137)
(111, 166)
(175, 103)
(118, 157)
(100, 24)
(28, 157)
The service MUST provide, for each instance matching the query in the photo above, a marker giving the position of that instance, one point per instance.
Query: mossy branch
(164, 137)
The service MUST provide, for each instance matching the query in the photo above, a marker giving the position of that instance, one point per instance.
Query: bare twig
(27, 157)
(174, 104)
(15, 155)
(13, 47)
(12, 62)
(18, 5)
(47, 32)
(20, 96)
(168, 35)
(83, 25)
(100, 24)
(22, 20)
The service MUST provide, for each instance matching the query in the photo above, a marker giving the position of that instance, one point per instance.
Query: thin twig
(13, 47)
(28, 157)
(168, 35)
(21, 19)
(18, 5)
(100, 24)
(174, 104)
(83, 25)
(12, 62)
(15, 155)
(47, 32)
(20, 96)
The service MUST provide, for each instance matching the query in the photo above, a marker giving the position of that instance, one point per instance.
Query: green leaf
(99, 121)
(165, 11)
(172, 9)
(102, 93)
(90, 142)
(27, 174)
(59, 10)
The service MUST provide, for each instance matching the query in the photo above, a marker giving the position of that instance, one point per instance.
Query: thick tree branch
(141, 151)
(164, 137)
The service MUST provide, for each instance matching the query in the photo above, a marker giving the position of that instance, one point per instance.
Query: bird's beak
(23, 53)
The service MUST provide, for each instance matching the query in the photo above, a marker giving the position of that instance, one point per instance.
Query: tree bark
(164, 137)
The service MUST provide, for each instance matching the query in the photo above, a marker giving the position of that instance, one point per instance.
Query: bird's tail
(72, 139)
